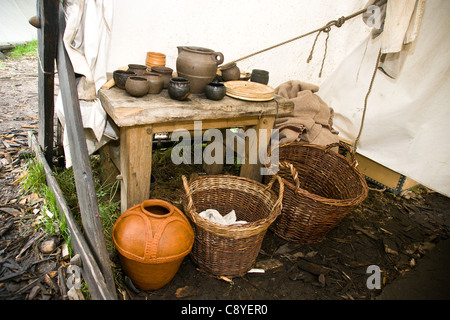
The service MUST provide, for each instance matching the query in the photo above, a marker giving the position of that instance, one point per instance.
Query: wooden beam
(47, 16)
(253, 171)
(87, 197)
(91, 272)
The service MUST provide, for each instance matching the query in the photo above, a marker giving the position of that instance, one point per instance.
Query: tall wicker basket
(230, 250)
(321, 187)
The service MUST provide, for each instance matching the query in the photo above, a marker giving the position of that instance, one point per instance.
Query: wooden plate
(248, 98)
(250, 91)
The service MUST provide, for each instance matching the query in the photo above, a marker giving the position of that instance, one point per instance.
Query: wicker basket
(230, 250)
(321, 187)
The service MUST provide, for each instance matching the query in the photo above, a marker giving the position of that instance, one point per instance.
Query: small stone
(76, 260)
(65, 251)
(322, 280)
(75, 294)
(47, 246)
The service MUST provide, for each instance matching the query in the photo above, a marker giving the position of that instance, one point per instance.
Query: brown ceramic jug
(198, 65)
(152, 239)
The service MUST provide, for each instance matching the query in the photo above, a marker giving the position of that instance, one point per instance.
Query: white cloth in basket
(215, 217)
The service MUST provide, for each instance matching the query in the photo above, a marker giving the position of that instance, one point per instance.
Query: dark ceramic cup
(120, 77)
(215, 90)
(260, 76)
(179, 88)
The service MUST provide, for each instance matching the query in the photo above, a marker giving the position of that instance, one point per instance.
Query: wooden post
(47, 12)
(252, 171)
(87, 197)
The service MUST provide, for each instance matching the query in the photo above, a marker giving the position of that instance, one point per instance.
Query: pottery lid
(153, 232)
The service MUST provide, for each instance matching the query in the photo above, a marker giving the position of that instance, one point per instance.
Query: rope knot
(340, 22)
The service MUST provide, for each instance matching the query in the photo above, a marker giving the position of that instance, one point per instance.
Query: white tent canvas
(405, 125)
(14, 26)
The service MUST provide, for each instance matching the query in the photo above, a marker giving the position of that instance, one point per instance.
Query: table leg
(216, 168)
(252, 171)
(135, 165)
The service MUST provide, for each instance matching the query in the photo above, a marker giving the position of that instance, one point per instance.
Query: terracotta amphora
(198, 65)
(152, 239)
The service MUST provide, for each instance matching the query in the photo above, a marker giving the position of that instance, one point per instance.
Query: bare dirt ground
(397, 234)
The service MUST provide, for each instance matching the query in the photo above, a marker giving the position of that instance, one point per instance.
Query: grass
(27, 49)
(107, 197)
(52, 221)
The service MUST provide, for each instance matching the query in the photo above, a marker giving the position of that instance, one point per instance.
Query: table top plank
(126, 110)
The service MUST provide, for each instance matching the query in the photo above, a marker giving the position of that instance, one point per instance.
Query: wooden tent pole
(47, 18)
(87, 197)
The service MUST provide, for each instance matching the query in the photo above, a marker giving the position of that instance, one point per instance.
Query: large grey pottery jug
(198, 65)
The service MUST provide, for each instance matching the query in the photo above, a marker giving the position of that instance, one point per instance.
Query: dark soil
(392, 232)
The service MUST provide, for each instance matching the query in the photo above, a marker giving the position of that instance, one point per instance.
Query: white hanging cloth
(406, 126)
(87, 40)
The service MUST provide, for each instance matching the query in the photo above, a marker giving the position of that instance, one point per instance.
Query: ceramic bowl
(137, 86)
(230, 72)
(215, 90)
(139, 69)
(166, 73)
(156, 82)
(155, 59)
(245, 76)
(179, 88)
(120, 77)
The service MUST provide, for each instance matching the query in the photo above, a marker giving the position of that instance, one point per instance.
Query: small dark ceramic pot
(166, 73)
(139, 69)
(261, 76)
(215, 90)
(137, 86)
(179, 88)
(120, 77)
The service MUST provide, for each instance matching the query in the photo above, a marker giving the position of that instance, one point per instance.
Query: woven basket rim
(236, 231)
(338, 202)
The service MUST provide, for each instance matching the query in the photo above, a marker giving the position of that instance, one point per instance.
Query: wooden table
(140, 118)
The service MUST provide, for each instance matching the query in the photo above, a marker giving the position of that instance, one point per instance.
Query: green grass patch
(51, 220)
(27, 49)
(107, 197)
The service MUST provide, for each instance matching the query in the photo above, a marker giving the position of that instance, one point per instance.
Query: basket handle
(190, 205)
(279, 201)
(294, 173)
(354, 162)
